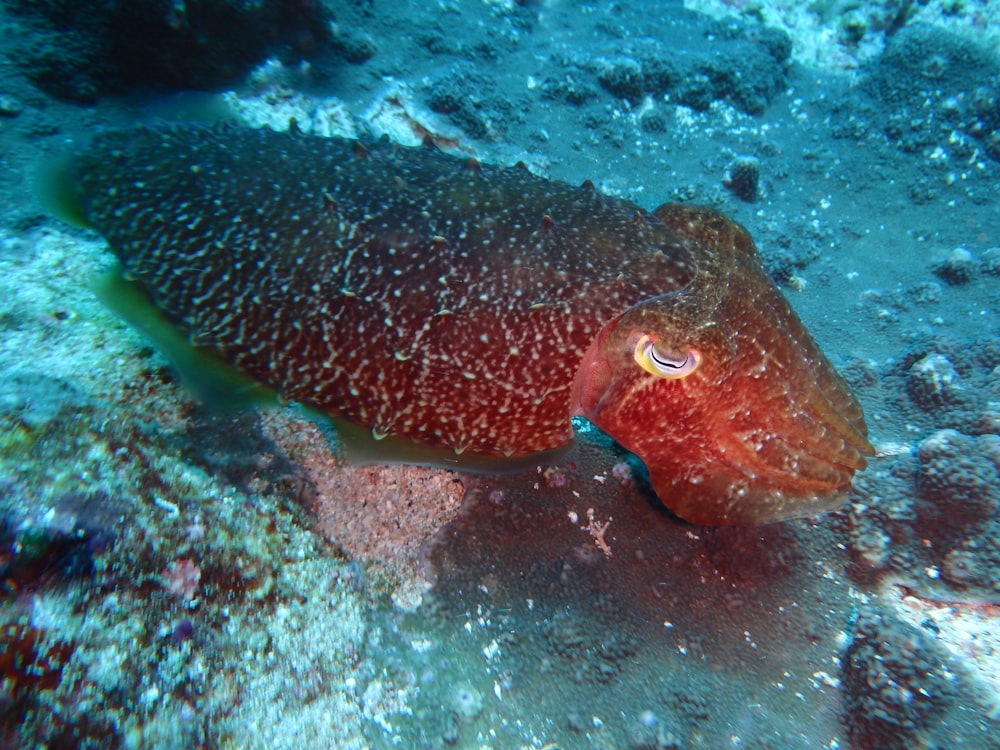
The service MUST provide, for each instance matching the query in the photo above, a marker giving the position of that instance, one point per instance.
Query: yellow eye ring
(669, 366)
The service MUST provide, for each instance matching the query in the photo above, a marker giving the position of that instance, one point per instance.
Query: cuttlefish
(477, 308)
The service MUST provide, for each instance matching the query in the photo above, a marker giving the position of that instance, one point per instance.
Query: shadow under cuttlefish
(571, 596)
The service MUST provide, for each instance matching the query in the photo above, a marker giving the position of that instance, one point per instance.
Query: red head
(721, 391)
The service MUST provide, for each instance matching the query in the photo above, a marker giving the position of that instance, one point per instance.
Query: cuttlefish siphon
(477, 308)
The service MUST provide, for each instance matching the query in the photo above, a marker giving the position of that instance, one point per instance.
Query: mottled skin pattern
(477, 308)
(764, 428)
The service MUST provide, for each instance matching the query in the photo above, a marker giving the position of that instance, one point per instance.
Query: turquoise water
(177, 574)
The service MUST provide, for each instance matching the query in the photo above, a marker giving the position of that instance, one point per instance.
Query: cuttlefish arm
(722, 392)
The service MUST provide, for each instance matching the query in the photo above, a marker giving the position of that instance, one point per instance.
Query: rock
(991, 261)
(80, 52)
(922, 74)
(958, 268)
(9, 106)
(622, 78)
(898, 684)
(958, 482)
(932, 382)
(743, 178)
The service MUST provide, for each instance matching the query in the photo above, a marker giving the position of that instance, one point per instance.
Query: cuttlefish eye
(662, 364)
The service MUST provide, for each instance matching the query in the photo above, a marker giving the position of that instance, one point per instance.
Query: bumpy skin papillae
(453, 303)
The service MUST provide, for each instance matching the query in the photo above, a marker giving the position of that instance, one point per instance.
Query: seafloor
(179, 577)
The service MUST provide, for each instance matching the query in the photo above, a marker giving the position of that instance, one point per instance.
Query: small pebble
(743, 178)
(958, 267)
(9, 106)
